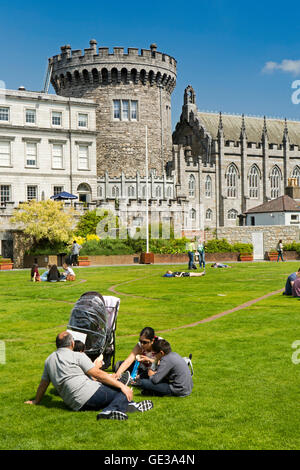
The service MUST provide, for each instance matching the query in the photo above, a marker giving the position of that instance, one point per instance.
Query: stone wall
(272, 234)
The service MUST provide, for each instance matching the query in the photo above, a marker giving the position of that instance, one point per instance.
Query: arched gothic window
(208, 186)
(193, 214)
(158, 191)
(130, 191)
(208, 214)
(296, 174)
(192, 186)
(231, 181)
(232, 214)
(253, 182)
(115, 192)
(275, 177)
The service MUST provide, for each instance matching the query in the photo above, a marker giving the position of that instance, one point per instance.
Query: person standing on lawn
(201, 251)
(280, 251)
(75, 253)
(71, 372)
(191, 248)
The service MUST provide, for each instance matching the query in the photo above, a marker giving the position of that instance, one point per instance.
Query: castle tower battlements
(132, 91)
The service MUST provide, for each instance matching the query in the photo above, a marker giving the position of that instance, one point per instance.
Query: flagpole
(147, 195)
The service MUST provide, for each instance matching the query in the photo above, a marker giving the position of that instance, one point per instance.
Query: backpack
(188, 361)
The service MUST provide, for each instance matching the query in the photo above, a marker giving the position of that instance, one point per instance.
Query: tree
(45, 222)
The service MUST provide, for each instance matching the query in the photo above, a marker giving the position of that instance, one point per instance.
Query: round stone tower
(133, 90)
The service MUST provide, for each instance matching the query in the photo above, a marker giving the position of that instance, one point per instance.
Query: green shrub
(218, 246)
(294, 246)
(242, 247)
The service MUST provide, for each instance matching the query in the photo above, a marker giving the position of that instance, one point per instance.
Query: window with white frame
(275, 177)
(125, 110)
(5, 153)
(4, 114)
(158, 191)
(208, 214)
(57, 156)
(192, 186)
(57, 190)
(296, 174)
(56, 118)
(31, 192)
(30, 116)
(232, 214)
(231, 181)
(5, 193)
(253, 182)
(82, 120)
(294, 219)
(31, 154)
(83, 157)
(169, 192)
(208, 186)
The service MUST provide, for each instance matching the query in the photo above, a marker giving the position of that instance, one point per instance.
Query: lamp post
(147, 193)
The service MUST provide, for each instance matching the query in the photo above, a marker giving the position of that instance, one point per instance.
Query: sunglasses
(144, 342)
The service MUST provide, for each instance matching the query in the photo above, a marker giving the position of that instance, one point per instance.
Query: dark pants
(191, 259)
(280, 255)
(107, 399)
(161, 388)
(74, 260)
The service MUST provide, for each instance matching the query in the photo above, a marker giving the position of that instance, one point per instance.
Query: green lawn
(246, 387)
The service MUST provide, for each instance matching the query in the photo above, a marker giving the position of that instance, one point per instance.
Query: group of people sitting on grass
(52, 274)
(292, 286)
(84, 386)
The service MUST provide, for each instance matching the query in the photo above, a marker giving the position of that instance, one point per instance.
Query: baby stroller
(96, 316)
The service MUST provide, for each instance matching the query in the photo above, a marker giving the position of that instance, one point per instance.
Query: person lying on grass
(172, 377)
(70, 373)
(182, 274)
(142, 351)
(220, 265)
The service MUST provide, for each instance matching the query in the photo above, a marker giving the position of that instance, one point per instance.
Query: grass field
(246, 387)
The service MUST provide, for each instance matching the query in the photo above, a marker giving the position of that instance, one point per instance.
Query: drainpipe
(70, 150)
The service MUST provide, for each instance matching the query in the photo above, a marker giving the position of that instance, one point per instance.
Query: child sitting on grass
(172, 377)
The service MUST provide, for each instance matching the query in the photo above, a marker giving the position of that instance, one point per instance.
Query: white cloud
(286, 65)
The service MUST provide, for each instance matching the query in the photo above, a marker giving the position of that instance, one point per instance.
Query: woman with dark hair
(53, 274)
(141, 352)
(35, 275)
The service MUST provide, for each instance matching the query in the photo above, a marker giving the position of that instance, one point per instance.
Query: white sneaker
(141, 406)
(119, 415)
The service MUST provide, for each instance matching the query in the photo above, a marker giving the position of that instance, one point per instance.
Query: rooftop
(281, 204)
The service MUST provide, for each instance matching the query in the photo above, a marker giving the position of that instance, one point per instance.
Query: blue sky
(222, 47)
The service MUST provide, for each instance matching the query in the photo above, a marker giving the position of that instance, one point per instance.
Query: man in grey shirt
(72, 375)
(173, 376)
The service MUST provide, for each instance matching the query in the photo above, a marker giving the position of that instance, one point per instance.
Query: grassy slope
(246, 386)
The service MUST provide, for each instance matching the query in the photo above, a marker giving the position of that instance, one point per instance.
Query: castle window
(57, 156)
(133, 110)
(169, 191)
(130, 191)
(4, 114)
(232, 214)
(82, 120)
(31, 154)
(117, 109)
(31, 193)
(296, 174)
(192, 214)
(208, 214)
(231, 180)
(208, 186)
(275, 182)
(57, 190)
(100, 191)
(30, 116)
(253, 182)
(115, 192)
(5, 193)
(56, 118)
(5, 153)
(125, 110)
(83, 157)
(158, 191)
(192, 185)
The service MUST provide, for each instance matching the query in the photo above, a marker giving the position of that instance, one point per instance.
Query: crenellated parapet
(94, 67)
